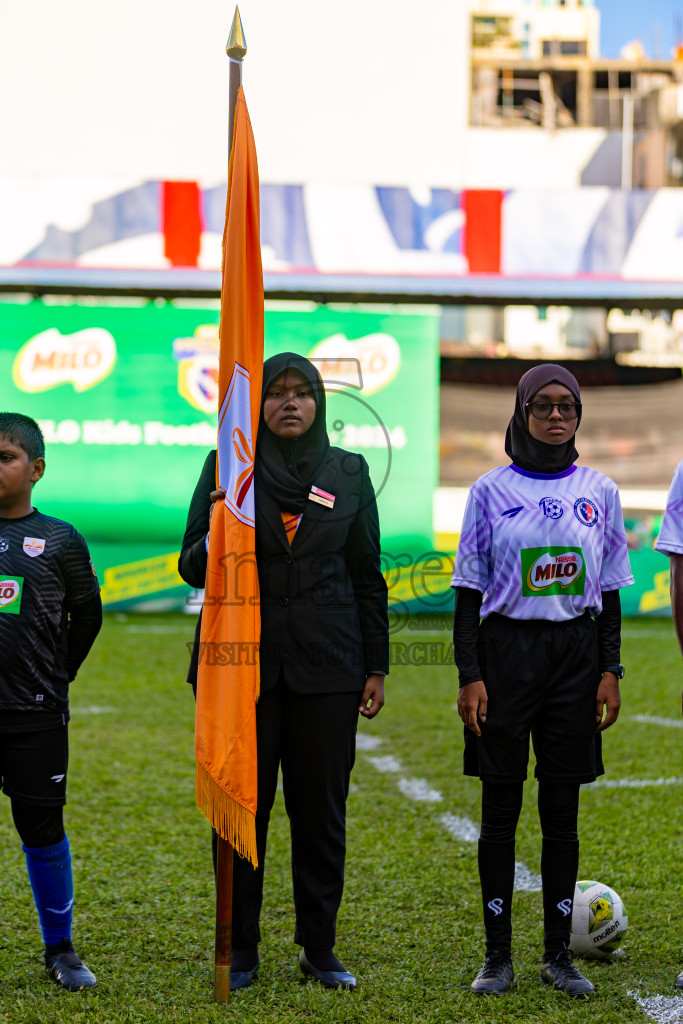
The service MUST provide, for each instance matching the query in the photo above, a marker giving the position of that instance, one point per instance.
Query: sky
(624, 20)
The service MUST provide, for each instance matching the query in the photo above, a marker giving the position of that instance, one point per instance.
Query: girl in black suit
(323, 653)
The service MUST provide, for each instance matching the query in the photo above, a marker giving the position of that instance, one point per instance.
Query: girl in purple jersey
(542, 555)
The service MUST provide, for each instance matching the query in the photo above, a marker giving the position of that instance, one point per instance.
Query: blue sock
(49, 872)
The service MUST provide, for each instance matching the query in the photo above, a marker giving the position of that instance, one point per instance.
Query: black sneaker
(66, 968)
(678, 983)
(496, 974)
(559, 971)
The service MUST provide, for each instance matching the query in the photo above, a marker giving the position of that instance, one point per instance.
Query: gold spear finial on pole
(236, 46)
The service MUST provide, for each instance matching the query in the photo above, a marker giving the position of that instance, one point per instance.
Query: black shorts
(33, 766)
(541, 679)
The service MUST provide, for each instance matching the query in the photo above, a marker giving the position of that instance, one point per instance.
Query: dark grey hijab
(524, 450)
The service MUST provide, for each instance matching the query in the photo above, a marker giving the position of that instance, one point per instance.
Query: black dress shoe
(243, 978)
(496, 974)
(559, 971)
(330, 979)
(66, 968)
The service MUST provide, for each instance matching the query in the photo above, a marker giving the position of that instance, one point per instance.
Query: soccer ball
(599, 921)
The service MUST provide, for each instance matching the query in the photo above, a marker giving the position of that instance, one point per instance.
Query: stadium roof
(470, 289)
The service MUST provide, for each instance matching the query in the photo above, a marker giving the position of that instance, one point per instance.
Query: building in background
(548, 113)
(536, 65)
(658, 148)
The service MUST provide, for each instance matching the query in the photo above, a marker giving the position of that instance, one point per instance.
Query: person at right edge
(670, 542)
(541, 558)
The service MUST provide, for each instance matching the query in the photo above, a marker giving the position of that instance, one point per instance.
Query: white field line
(526, 880)
(662, 1009)
(151, 628)
(418, 789)
(415, 789)
(386, 763)
(649, 634)
(459, 827)
(94, 709)
(674, 723)
(635, 783)
(365, 741)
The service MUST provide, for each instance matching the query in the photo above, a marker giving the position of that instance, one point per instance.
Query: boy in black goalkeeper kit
(50, 614)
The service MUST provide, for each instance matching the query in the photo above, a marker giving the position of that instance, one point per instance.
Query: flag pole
(236, 48)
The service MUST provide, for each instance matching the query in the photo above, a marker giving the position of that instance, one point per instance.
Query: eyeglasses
(543, 410)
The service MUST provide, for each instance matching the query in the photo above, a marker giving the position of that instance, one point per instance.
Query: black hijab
(285, 468)
(524, 450)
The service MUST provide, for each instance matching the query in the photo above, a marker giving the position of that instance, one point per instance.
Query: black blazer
(324, 615)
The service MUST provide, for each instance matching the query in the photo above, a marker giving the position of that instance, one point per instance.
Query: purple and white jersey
(670, 540)
(542, 546)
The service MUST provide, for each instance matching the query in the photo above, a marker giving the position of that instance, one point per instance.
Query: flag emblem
(235, 447)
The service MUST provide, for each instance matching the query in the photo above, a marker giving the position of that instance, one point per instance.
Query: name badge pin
(322, 497)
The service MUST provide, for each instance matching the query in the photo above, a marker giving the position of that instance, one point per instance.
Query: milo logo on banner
(549, 571)
(10, 594)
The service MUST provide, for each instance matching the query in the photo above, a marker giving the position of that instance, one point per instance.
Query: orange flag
(228, 678)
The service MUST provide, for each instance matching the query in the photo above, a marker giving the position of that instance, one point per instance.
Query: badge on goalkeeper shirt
(34, 546)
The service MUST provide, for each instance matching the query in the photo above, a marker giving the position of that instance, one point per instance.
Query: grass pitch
(410, 924)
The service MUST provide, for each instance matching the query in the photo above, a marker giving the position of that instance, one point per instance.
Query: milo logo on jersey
(554, 570)
(10, 594)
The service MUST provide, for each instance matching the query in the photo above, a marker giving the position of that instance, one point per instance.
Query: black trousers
(313, 738)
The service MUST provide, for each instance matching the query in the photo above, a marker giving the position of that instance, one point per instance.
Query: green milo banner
(650, 593)
(126, 394)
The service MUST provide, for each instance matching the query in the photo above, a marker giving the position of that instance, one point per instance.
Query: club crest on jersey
(4, 544)
(551, 507)
(10, 594)
(554, 570)
(34, 546)
(586, 511)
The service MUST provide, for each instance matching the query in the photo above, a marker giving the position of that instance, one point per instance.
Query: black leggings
(38, 825)
(558, 806)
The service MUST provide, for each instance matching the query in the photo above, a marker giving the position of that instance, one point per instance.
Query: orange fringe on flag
(231, 820)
